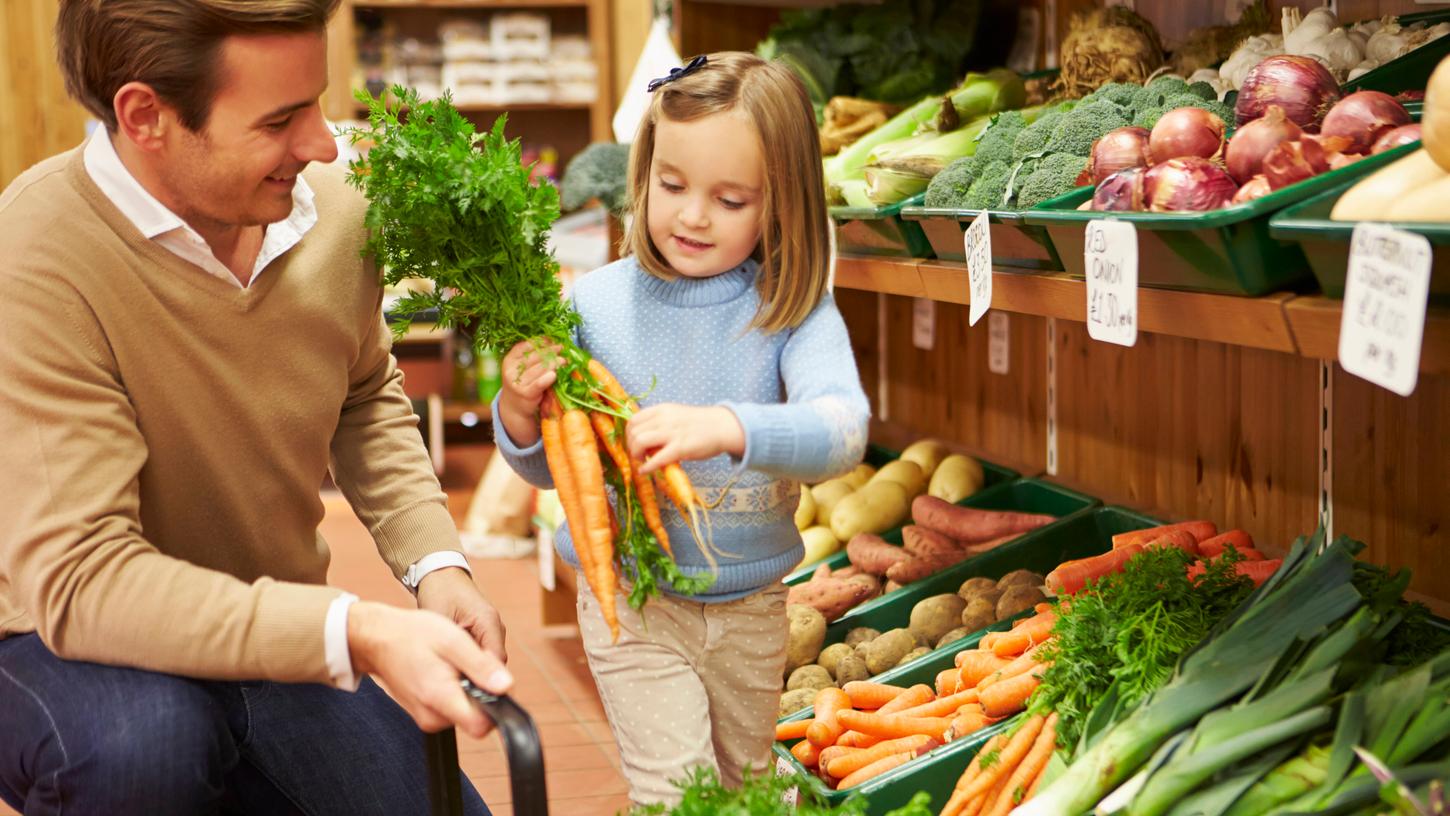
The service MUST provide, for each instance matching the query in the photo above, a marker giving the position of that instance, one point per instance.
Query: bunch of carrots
(1006, 771)
(582, 422)
(1197, 538)
(864, 729)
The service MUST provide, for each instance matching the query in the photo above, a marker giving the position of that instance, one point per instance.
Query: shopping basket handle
(522, 748)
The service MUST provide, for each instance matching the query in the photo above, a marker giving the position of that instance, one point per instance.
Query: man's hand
(420, 656)
(671, 433)
(451, 593)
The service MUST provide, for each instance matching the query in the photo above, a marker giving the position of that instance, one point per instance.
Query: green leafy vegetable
(599, 171)
(764, 795)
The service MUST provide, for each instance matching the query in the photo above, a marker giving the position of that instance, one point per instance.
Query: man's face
(265, 126)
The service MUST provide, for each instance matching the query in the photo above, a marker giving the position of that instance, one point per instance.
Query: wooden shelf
(1308, 326)
(468, 4)
(516, 107)
(454, 413)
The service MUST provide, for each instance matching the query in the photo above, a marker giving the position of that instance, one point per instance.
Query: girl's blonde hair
(794, 244)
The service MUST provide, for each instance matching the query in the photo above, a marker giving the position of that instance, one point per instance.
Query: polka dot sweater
(796, 393)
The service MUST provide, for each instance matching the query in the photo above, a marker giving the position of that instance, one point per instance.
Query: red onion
(1256, 187)
(1391, 139)
(1338, 160)
(1363, 117)
(1184, 132)
(1253, 141)
(1410, 96)
(1122, 191)
(1190, 183)
(1300, 85)
(1304, 158)
(1118, 150)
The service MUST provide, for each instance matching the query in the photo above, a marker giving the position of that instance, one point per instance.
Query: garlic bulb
(1249, 54)
(1300, 33)
(1366, 27)
(1336, 50)
(1392, 40)
(1361, 69)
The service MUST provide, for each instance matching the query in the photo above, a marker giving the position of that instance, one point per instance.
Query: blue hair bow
(675, 73)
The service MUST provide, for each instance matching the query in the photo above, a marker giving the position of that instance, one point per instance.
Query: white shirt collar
(156, 222)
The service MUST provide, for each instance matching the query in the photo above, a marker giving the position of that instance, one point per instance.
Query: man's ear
(141, 116)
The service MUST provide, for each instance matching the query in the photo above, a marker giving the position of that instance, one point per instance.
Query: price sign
(979, 267)
(1111, 255)
(1385, 291)
(782, 768)
(923, 323)
(999, 348)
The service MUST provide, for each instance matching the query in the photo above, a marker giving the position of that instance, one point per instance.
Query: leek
(926, 157)
(1292, 779)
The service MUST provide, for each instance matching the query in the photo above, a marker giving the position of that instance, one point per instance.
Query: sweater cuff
(770, 441)
(415, 532)
(290, 626)
(506, 445)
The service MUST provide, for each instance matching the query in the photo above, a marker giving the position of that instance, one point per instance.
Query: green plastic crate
(1411, 71)
(1228, 251)
(992, 475)
(1325, 243)
(880, 231)
(1015, 243)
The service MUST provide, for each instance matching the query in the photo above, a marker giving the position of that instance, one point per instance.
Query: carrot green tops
(164, 433)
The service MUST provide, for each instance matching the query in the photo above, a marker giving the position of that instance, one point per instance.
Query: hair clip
(675, 73)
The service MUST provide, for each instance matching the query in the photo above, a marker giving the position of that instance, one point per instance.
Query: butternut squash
(1374, 196)
(1427, 202)
(1435, 124)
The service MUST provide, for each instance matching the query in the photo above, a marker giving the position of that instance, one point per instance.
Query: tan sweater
(164, 434)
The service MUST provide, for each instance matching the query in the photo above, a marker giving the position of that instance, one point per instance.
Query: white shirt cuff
(334, 639)
(432, 563)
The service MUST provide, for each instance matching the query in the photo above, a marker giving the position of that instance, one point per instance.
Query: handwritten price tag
(1111, 255)
(999, 343)
(923, 323)
(1385, 291)
(979, 267)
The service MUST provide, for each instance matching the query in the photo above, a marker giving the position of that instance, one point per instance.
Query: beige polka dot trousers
(688, 684)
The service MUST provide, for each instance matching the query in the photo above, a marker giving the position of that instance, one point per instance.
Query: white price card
(978, 242)
(923, 323)
(999, 345)
(782, 768)
(1383, 321)
(1111, 254)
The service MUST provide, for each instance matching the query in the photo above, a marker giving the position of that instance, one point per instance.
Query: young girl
(721, 317)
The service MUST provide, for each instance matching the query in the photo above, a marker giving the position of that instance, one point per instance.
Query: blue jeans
(82, 738)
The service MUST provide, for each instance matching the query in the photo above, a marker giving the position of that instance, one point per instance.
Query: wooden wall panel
(859, 311)
(39, 119)
(1185, 428)
(1392, 476)
(701, 28)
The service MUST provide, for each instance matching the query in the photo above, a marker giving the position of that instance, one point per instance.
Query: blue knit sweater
(795, 392)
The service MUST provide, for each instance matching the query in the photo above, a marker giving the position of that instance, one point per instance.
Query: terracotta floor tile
(579, 783)
(561, 758)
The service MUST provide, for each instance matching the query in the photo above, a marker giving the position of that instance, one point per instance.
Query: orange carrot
(613, 444)
(791, 730)
(845, 764)
(1071, 576)
(1010, 696)
(583, 453)
(551, 430)
(612, 389)
(958, 802)
(865, 694)
(969, 719)
(981, 803)
(826, 729)
(856, 739)
(1180, 539)
(1258, 571)
(1022, 637)
(1022, 664)
(1200, 530)
(942, 706)
(948, 681)
(1013, 750)
(911, 698)
(835, 753)
(807, 753)
(890, 726)
(649, 502)
(979, 664)
(875, 769)
(1026, 770)
(1213, 547)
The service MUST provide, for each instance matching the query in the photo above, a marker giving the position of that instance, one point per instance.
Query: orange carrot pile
(1005, 771)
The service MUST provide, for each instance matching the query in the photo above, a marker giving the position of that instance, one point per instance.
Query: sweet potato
(919, 540)
(918, 567)
(832, 597)
(970, 524)
(873, 555)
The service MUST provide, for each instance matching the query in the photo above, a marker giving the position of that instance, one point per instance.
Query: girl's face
(706, 193)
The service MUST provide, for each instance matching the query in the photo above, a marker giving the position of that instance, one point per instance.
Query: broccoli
(1204, 90)
(1031, 139)
(1078, 129)
(1055, 175)
(600, 171)
(1121, 93)
(991, 184)
(948, 188)
(1149, 117)
(996, 142)
(1156, 93)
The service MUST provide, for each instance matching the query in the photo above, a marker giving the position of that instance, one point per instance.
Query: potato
(807, 633)
(820, 544)
(1021, 577)
(826, 495)
(793, 701)
(913, 654)
(851, 667)
(1018, 598)
(927, 454)
(956, 478)
(935, 616)
(953, 636)
(810, 676)
(907, 474)
(805, 512)
(886, 651)
(979, 613)
(976, 586)
(875, 508)
(859, 475)
(861, 634)
(831, 656)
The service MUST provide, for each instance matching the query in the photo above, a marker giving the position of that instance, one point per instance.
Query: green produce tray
(880, 231)
(892, 610)
(992, 475)
(1015, 243)
(1411, 71)
(1325, 243)
(1227, 251)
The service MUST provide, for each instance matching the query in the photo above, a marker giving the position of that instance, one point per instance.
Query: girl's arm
(528, 462)
(820, 430)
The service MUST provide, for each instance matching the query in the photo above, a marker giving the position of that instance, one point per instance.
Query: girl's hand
(528, 373)
(671, 433)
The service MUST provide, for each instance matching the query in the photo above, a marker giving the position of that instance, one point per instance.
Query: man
(189, 342)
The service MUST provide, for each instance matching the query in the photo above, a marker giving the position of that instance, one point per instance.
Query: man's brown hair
(172, 45)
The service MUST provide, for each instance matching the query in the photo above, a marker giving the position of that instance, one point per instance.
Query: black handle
(521, 746)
